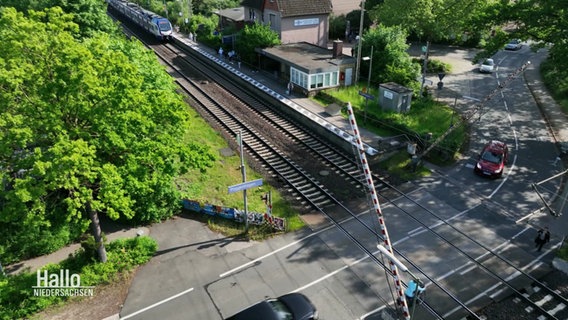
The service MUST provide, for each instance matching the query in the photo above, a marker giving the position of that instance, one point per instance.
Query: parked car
(292, 306)
(514, 44)
(487, 66)
(492, 159)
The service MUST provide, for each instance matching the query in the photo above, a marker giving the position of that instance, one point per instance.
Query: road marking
(156, 304)
(242, 266)
(504, 179)
(300, 240)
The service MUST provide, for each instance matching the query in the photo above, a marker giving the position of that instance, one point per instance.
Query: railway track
(351, 171)
(302, 184)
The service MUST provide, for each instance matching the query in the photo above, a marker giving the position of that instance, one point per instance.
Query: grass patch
(399, 165)
(17, 295)
(211, 186)
(563, 251)
(425, 118)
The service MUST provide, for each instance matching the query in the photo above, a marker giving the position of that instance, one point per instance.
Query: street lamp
(402, 268)
(359, 43)
(370, 59)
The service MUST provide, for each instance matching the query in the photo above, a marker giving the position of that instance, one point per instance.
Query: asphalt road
(198, 274)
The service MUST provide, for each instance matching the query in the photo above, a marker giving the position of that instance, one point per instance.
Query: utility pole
(360, 43)
(377, 208)
(424, 67)
(368, 81)
(244, 174)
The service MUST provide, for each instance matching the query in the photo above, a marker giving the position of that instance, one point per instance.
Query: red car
(492, 159)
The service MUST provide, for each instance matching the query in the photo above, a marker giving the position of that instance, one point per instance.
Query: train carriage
(159, 26)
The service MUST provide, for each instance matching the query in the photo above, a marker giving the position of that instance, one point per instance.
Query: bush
(434, 66)
(16, 293)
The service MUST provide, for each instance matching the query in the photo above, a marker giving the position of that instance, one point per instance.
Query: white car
(515, 44)
(487, 66)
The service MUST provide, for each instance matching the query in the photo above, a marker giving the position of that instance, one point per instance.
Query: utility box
(394, 97)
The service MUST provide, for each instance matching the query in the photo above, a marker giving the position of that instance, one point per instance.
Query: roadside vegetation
(426, 120)
(77, 145)
(17, 293)
(556, 80)
(563, 251)
(211, 185)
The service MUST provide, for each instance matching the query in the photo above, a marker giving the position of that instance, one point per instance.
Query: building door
(348, 76)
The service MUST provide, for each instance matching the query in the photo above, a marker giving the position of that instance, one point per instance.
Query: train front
(165, 29)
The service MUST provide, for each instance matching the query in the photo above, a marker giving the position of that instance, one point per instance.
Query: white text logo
(63, 283)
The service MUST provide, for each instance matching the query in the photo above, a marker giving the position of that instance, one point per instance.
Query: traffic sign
(245, 185)
(441, 75)
(367, 95)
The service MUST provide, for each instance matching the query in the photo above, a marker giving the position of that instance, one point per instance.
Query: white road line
(222, 275)
(296, 242)
(156, 304)
(505, 179)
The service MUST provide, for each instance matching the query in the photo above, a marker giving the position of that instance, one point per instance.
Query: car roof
(297, 303)
(495, 145)
(259, 311)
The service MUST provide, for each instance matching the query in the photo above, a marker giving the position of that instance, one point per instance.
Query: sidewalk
(556, 120)
(36, 263)
(551, 111)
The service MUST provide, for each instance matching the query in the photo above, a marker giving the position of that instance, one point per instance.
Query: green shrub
(563, 251)
(434, 66)
(16, 292)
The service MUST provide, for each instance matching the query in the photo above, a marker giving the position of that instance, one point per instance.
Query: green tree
(433, 20)
(545, 22)
(88, 127)
(206, 7)
(203, 26)
(89, 15)
(255, 36)
(391, 62)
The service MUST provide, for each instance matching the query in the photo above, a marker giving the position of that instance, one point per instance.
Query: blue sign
(245, 185)
(367, 95)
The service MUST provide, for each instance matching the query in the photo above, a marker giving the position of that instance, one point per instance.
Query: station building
(308, 67)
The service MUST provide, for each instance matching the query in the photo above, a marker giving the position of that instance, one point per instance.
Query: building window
(252, 14)
(316, 81)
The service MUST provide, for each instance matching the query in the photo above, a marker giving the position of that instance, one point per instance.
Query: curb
(34, 264)
(560, 265)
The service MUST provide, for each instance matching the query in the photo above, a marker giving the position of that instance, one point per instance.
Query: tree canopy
(89, 15)
(434, 20)
(544, 22)
(92, 124)
(391, 61)
(255, 36)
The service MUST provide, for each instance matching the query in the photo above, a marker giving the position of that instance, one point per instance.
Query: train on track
(157, 25)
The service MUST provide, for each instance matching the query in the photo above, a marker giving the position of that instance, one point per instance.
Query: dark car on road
(492, 159)
(292, 306)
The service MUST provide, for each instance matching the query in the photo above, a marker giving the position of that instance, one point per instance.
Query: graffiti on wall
(254, 218)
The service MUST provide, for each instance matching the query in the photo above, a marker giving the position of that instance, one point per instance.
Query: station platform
(336, 124)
